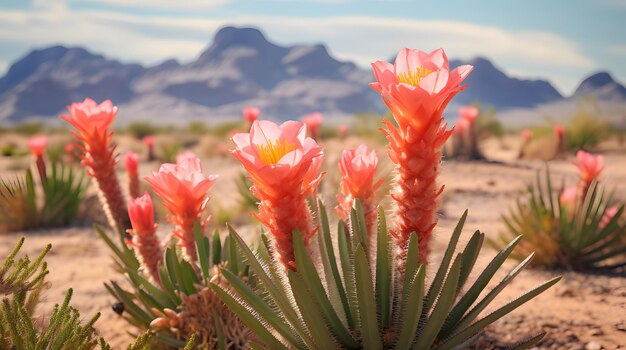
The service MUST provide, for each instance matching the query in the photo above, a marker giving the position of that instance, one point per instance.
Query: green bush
(586, 128)
(139, 130)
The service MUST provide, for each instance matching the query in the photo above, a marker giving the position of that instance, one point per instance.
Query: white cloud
(163, 4)
(150, 39)
(618, 50)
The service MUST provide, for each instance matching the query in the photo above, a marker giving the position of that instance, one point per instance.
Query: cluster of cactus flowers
(290, 292)
(578, 227)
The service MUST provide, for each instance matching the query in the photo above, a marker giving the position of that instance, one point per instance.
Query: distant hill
(241, 67)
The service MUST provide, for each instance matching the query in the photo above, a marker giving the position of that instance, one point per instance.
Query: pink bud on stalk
(250, 114)
(149, 142)
(37, 145)
(131, 161)
(92, 122)
(358, 168)
(589, 167)
(313, 122)
(144, 238)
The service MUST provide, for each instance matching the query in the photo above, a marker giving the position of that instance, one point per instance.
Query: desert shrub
(488, 124)
(139, 130)
(28, 128)
(55, 152)
(62, 191)
(9, 150)
(224, 129)
(18, 209)
(328, 132)
(583, 233)
(367, 125)
(22, 283)
(197, 127)
(169, 150)
(586, 128)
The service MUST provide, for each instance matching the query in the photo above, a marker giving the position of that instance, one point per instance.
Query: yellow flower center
(272, 152)
(414, 78)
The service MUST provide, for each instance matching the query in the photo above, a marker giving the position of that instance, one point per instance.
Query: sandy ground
(583, 311)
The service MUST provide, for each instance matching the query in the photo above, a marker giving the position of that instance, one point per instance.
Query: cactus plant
(576, 228)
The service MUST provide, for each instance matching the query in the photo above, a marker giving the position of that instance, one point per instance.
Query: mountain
(239, 68)
(489, 85)
(45, 81)
(602, 86)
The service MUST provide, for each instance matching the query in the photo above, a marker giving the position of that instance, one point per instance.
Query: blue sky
(562, 41)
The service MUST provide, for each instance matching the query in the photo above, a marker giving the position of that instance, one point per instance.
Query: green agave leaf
(366, 301)
(310, 312)
(217, 248)
(160, 296)
(470, 255)
(203, 250)
(494, 316)
(129, 305)
(272, 286)
(125, 257)
(347, 266)
(383, 270)
(233, 260)
(414, 298)
(476, 289)
(530, 342)
(474, 312)
(435, 287)
(248, 319)
(313, 283)
(168, 285)
(444, 303)
(260, 306)
(333, 278)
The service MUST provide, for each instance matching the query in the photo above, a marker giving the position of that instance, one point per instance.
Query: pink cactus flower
(92, 122)
(527, 134)
(131, 162)
(559, 131)
(143, 232)
(250, 114)
(343, 130)
(469, 113)
(149, 142)
(313, 122)
(283, 166)
(608, 215)
(590, 166)
(569, 196)
(183, 189)
(417, 89)
(358, 168)
(185, 155)
(37, 145)
(461, 126)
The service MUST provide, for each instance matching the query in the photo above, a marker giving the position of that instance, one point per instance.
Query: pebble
(593, 345)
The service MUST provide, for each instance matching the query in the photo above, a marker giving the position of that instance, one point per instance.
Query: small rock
(593, 345)
(596, 332)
